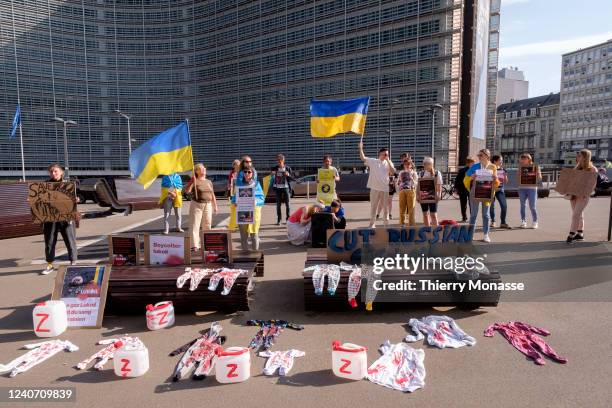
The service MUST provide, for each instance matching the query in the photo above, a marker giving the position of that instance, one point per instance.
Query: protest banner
(326, 186)
(53, 201)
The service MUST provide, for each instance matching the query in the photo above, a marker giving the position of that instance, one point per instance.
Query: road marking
(42, 261)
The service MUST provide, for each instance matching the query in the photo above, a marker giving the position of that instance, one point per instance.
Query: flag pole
(18, 95)
(193, 175)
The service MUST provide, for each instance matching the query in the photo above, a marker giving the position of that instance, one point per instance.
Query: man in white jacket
(378, 181)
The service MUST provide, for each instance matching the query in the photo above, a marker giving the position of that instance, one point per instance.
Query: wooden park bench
(16, 217)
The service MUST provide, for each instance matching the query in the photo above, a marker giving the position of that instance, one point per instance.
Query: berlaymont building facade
(243, 73)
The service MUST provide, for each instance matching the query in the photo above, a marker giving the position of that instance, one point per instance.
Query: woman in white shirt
(378, 182)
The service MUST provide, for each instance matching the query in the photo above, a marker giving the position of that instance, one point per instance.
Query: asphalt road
(570, 294)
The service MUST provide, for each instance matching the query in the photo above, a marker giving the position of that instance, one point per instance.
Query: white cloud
(557, 47)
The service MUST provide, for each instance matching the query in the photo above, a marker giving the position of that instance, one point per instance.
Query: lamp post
(127, 117)
(432, 110)
(393, 102)
(66, 123)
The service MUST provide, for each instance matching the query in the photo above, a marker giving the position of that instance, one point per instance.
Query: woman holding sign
(481, 179)
(429, 192)
(529, 176)
(248, 200)
(583, 162)
(65, 228)
(203, 203)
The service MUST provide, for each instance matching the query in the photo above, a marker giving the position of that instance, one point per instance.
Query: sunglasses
(248, 161)
(248, 172)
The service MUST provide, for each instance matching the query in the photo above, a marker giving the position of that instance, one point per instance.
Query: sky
(535, 33)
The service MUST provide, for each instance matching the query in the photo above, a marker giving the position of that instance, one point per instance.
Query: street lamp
(393, 102)
(127, 117)
(66, 123)
(432, 110)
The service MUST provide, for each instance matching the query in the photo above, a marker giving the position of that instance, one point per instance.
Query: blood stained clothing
(108, 352)
(38, 352)
(441, 331)
(400, 367)
(200, 355)
(525, 338)
(281, 360)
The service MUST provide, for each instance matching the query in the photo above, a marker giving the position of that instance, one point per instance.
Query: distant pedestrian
(171, 198)
(464, 193)
(280, 179)
(529, 193)
(430, 210)
(67, 229)
(583, 162)
(203, 204)
(378, 182)
(500, 194)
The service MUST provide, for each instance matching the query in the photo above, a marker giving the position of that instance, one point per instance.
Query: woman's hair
(243, 163)
(528, 157)
(198, 166)
(408, 161)
(55, 166)
(486, 152)
(336, 204)
(585, 160)
(429, 160)
(313, 208)
(235, 163)
(495, 158)
(250, 168)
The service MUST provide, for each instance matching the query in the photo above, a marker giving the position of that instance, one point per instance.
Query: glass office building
(243, 73)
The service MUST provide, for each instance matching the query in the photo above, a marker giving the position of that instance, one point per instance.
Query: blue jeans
(486, 217)
(530, 194)
(501, 197)
(283, 195)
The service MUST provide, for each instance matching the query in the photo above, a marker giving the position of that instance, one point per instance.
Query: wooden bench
(16, 217)
(131, 288)
(339, 301)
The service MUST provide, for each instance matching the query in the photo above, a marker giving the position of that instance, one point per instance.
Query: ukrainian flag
(167, 153)
(328, 118)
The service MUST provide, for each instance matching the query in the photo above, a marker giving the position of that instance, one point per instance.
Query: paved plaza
(570, 294)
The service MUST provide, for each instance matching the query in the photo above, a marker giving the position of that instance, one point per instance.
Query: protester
(171, 198)
(464, 193)
(483, 164)
(529, 193)
(280, 177)
(583, 162)
(236, 168)
(378, 182)
(299, 223)
(389, 201)
(327, 165)
(248, 178)
(66, 228)
(246, 161)
(203, 203)
(500, 195)
(406, 185)
(430, 210)
(337, 212)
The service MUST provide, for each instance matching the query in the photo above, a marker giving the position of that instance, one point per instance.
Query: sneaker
(377, 216)
(493, 225)
(570, 238)
(166, 232)
(277, 222)
(486, 238)
(390, 217)
(523, 224)
(505, 226)
(578, 237)
(534, 225)
(180, 230)
(372, 226)
(72, 263)
(463, 220)
(48, 269)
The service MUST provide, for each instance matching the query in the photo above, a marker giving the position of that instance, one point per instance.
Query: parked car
(302, 185)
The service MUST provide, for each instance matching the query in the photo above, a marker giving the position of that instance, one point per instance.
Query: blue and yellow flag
(167, 153)
(328, 118)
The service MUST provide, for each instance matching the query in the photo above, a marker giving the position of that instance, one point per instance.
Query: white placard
(166, 250)
(245, 205)
(484, 175)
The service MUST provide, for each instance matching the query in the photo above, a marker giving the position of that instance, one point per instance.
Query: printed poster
(483, 185)
(326, 187)
(245, 205)
(528, 175)
(216, 246)
(427, 190)
(53, 201)
(166, 250)
(83, 290)
(124, 250)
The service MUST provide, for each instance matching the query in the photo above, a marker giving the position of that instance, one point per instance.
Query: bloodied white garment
(400, 367)
(441, 331)
(38, 353)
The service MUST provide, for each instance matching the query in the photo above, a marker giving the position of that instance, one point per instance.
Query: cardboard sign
(167, 250)
(326, 186)
(579, 183)
(528, 175)
(245, 205)
(53, 201)
(83, 290)
(123, 250)
(426, 190)
(216, 246)
(348, 245)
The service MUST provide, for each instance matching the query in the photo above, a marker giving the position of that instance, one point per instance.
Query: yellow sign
(326, 186)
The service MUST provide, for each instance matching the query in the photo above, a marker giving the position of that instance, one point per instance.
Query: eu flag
(16, 122)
